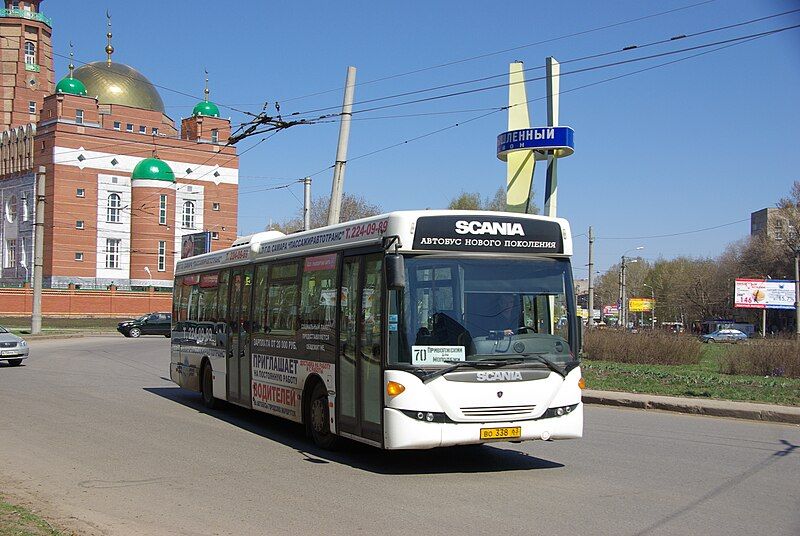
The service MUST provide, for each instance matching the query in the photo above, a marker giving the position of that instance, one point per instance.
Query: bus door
(239, 330)
(359, 356)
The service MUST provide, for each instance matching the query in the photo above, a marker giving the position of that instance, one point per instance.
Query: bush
(645, 348)
(764, 358)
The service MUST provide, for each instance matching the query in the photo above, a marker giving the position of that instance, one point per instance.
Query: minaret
(25, 34)
(205, 124)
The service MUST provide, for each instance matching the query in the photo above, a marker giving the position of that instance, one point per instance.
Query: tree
(474, 201)
(353, 208)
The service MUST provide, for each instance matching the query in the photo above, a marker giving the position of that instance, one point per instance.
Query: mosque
(123, 185)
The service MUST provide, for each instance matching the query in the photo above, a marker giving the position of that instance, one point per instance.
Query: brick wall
(84, 303)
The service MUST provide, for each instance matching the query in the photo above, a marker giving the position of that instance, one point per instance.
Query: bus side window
(282, 299)
(260, 299)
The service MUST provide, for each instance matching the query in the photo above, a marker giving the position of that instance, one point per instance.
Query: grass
(702, 379)
(19, 521)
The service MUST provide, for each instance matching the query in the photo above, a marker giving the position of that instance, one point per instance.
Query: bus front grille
(498, 411)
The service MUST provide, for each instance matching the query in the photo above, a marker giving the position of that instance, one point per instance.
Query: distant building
(123, 184)
(769, 222)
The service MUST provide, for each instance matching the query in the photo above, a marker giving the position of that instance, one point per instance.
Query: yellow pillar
(520, 164)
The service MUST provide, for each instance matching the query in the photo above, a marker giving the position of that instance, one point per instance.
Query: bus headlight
(394, 388)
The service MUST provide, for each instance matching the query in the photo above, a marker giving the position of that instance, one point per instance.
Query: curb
(697, 406)
(47, 336)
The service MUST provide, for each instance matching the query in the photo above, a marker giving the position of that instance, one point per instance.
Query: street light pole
(623, 291)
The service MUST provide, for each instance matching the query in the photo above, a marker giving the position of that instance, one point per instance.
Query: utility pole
(307, 203)
(337, 187)
(591, 279)
(623, 309)
(38, 254)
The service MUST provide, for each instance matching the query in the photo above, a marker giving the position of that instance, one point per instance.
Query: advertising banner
(641, 305)
(610, 310)
(764, 294)
(195, 244)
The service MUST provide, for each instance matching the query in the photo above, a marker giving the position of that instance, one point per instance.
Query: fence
(84, 303)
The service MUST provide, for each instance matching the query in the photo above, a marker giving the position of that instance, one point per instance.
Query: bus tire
(318, 421)
(207, 385)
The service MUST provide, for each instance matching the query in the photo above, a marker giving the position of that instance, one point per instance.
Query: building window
(23, 253)
(11, 253)
(113, 208)
(162, 209)
(78, 117)
(214, 206)
(142, 129)
(11, 209)
(25, 207)
(80, 192)
(112, 252)
(214, 135)
(79, 256)
(162, 255)
(30, 53)
(155, 131)
(79, 224)
(188, 215)
(214, 235)
(31, 107)
(129, 127)
(117, 125)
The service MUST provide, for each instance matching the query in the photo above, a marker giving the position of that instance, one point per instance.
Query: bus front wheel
(207, 387)
(318, 423)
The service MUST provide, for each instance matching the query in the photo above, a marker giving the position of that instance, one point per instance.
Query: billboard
(610, 310)
(641, 305)
(195, 244)
(764, 294)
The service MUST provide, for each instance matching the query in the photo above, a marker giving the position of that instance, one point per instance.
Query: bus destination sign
(497, 234)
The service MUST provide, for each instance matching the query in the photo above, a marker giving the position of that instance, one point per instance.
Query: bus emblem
(499, 394)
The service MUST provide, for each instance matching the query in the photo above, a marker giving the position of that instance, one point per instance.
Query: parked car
(724, 335)
(12, 348)
(149, 324)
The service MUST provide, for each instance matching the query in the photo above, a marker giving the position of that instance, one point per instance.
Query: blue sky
(692, 145)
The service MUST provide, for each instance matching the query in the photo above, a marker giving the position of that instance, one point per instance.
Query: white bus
(408, 330)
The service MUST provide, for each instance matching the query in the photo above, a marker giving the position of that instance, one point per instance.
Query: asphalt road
(93, 433)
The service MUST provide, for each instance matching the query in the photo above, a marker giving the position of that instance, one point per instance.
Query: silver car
(12, 348)
(724, 335)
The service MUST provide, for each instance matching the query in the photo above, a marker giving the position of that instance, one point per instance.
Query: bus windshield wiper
(550, 364)
(480, 363)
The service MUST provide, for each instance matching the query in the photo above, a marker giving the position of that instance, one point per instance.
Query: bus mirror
(395, 271)
(579, 334)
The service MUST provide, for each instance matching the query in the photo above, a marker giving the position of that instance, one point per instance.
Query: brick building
(123, 183)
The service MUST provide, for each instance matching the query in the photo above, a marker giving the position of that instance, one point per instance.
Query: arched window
(30, 53)
(113, 208)
(11, 209)
(188, 215)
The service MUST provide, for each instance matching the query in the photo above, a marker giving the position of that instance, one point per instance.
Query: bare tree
(353, 208)
(474, 201)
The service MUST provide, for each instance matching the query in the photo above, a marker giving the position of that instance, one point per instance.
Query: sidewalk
(698, 406)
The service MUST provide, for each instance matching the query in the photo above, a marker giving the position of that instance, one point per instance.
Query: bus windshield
(467, 309)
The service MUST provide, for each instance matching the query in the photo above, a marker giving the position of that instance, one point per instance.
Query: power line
(564, 62)
(671, 234)
(497, 52)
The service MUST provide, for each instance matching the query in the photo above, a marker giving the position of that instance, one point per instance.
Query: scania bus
(408, 330)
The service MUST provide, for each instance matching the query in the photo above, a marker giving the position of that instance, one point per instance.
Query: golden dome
(115, 83)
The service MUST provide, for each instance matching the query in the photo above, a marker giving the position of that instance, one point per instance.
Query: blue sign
(558, 140)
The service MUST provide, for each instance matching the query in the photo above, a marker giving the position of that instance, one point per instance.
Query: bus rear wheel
(207, 387)
(318, 422)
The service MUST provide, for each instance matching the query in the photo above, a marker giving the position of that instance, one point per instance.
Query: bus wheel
(207, 386)
(318, 423)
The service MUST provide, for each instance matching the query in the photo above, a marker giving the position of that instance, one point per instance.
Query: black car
(149, 324)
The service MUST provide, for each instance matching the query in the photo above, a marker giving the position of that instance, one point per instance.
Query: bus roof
(416, 231)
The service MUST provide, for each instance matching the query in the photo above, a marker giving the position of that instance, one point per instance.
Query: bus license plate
(501, 433)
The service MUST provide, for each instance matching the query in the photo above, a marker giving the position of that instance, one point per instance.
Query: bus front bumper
(404, 432)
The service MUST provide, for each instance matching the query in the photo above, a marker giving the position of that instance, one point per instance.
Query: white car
(12, 348)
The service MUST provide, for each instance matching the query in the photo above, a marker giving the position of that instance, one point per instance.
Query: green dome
(153, 169)
(206, 108)
(71, 86)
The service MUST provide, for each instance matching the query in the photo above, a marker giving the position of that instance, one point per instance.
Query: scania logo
(499, 376)
(489, 227)
(499, 394)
